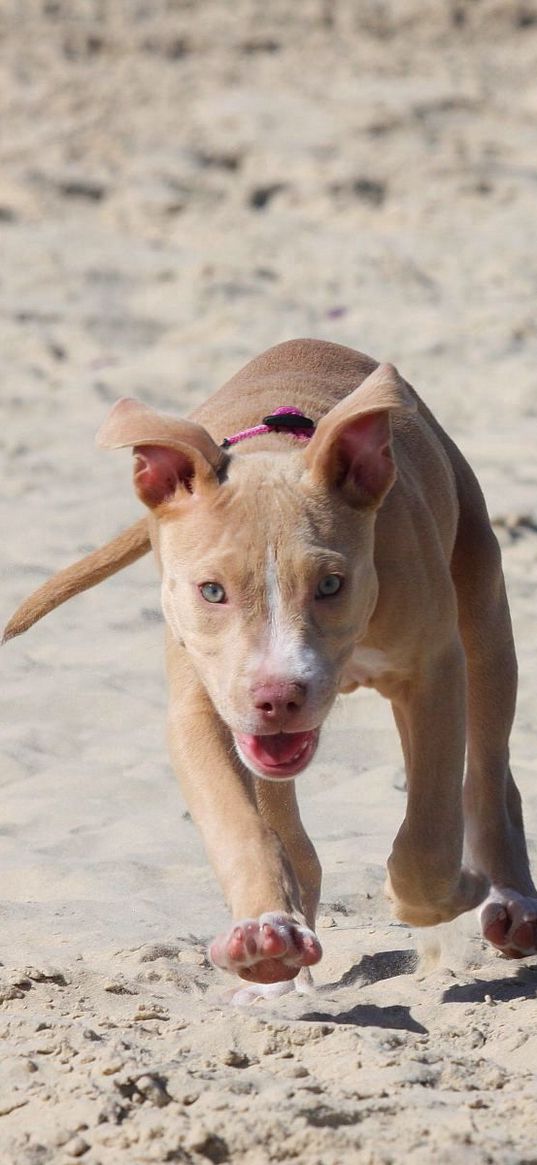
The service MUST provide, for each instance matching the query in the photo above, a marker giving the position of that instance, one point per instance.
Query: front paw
(268, 949)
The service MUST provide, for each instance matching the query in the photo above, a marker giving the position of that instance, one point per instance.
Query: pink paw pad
(509, 921)
(269, 949)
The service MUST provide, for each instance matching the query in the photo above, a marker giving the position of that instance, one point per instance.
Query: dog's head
(267, 556)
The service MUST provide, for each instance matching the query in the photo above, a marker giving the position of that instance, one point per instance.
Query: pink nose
(279, 699)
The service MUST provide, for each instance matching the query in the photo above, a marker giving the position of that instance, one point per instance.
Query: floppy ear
(351, 449)
(170, 455)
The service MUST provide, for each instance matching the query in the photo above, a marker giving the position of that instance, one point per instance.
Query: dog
(316, 530)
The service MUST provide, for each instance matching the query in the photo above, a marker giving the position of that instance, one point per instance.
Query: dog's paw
(269, 949)
(509, 921)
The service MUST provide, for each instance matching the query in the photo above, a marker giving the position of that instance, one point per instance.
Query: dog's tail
(82, 575)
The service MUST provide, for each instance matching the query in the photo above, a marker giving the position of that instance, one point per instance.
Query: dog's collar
(286, 419)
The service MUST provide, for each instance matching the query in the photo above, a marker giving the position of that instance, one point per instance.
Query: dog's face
(268, 561)
(268, 582)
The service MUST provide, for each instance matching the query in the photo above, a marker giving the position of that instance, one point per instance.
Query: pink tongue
(274, 750)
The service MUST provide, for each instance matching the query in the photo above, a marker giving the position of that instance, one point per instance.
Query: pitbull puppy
(316, 530)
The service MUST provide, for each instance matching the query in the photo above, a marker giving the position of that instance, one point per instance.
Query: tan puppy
(297, 564)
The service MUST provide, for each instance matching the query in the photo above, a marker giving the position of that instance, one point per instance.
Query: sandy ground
(184, 184)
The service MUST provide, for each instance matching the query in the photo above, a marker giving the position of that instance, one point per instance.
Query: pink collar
(286, 419)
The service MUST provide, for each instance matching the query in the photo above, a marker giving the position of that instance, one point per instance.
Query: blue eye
(212, 592)
(328, 586)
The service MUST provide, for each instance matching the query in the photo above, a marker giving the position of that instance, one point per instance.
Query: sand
(182, 186)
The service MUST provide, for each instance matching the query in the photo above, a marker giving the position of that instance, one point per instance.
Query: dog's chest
(365, 666)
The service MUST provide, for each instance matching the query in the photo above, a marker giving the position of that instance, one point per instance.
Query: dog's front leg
(269, 941)
(427, 881)
(278, 806)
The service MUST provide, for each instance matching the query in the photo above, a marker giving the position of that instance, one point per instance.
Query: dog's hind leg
(427, 880)
(494, 826)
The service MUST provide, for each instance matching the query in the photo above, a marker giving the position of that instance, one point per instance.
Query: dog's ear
(351, 449)
(170, 455)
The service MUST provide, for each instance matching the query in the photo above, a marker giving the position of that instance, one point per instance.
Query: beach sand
(182, 186)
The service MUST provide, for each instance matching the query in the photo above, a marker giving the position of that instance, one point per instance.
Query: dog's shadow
(372, 969)
(389, 964)
(369, 1015)
(523, 985)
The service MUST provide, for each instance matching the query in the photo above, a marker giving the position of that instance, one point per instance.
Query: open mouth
(283, 754)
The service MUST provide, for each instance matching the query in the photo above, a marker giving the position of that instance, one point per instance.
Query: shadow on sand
(372, 969)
